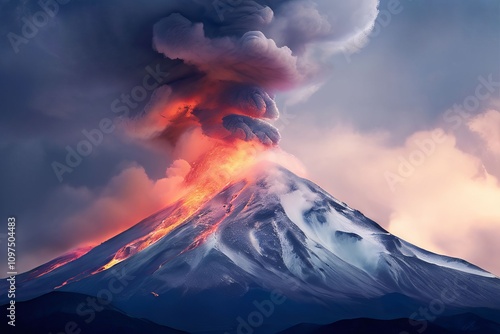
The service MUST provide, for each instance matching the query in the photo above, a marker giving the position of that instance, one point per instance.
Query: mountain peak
(270, 230)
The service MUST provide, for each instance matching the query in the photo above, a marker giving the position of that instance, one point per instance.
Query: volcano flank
(268, 253)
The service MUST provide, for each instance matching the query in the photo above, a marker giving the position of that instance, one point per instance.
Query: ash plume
(240, 53)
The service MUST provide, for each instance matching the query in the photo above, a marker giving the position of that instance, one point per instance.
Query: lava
(60, 261)
(208, 176)
(212, 228)
(65, 282)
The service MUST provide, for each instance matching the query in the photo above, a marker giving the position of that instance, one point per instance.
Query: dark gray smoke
(242, 52)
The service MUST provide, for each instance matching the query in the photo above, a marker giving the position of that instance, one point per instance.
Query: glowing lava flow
(209, 174)
(60, 261)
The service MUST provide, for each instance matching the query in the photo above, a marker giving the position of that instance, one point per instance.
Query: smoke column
(237, 54)
(228, 58)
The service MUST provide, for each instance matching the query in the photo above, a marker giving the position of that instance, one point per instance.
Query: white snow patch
(254, 241)
(290, 259)
(363, 254)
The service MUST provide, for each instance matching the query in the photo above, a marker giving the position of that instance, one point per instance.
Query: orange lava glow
(66, 282)
(208, 176)
(202, 237)
(60, 261)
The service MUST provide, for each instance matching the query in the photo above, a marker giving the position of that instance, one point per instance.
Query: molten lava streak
(60, 261)
(208, 176)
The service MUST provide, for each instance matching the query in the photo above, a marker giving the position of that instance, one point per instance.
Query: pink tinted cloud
(128, 198)
(487, 126)
(444, 200)
(99, 214)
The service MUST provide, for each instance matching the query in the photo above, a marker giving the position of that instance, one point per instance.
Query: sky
(404, 125)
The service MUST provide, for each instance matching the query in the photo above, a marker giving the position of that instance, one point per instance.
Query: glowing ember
(72, 279)
(209, 175)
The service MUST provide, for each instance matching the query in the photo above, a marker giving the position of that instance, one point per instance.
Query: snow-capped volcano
(272, 243)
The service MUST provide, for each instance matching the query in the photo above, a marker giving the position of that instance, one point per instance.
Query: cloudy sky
(404, 125)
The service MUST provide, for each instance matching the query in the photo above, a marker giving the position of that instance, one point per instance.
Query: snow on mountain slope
(270, 231)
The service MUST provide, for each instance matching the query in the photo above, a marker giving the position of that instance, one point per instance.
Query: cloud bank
(446, 199)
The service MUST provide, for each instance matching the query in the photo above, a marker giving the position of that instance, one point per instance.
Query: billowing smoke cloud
(229, 60)
(240, 54)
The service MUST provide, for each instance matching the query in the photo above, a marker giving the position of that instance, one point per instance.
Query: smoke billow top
(240, 53)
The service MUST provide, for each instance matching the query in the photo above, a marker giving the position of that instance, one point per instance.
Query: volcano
(271, 252)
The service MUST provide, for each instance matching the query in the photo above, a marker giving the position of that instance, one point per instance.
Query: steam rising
(241, 53)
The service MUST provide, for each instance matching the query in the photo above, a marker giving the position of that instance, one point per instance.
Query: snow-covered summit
(269, 231)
